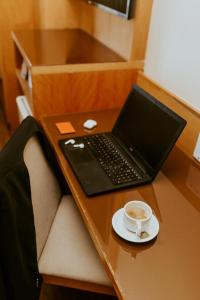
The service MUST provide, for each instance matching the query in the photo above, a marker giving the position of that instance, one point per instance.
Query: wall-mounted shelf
(71, 71)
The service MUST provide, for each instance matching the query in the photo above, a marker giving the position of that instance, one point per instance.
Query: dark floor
(59, 293)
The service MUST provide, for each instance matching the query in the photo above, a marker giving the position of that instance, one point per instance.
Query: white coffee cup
(137, 216)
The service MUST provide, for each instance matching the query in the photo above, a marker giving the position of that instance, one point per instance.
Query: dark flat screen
(119, 5)
(123, 7)
(147, 127)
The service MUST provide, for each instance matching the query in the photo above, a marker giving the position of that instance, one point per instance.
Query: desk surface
(165, 268)
(61, 47)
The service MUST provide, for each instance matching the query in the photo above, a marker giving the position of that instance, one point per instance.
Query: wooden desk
(165, 268)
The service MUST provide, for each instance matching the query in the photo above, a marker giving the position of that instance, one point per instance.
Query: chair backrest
(45, 191)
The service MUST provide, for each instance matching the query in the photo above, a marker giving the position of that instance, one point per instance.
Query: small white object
(30, 79)
(79, 146)
(90, 124)
(24, 109)
(71, 141)
(123, 232)
(24, 70)
(196, 153)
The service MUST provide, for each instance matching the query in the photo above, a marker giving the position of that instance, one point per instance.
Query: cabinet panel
(81, 91)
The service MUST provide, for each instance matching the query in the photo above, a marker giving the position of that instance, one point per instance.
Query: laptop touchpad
(81, 156)
(88, 171)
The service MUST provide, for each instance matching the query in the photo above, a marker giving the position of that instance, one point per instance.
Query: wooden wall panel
(141, 29)
(114, 31)
(81, 91)
(59, 13)
(126, 37)
(189, 136)
(14, 14)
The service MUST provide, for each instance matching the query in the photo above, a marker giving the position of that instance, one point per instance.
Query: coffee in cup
(137, 213)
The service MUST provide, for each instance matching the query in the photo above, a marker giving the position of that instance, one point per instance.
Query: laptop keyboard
(114, 163)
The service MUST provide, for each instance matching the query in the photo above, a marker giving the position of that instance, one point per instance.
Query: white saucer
(120, 229)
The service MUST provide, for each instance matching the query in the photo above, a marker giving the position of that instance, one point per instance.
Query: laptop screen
(148, 128)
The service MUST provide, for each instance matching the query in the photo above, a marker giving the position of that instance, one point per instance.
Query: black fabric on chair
(19, 276)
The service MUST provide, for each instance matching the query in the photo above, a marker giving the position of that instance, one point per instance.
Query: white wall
(173, 50)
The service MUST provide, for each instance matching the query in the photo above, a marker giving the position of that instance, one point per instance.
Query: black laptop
(130, 155)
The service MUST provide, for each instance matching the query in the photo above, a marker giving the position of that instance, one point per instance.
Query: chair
(65, 252)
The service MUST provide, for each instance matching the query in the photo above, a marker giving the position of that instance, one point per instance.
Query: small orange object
(65, 127)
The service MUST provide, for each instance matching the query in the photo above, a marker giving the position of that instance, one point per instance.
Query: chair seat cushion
(69, 251)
